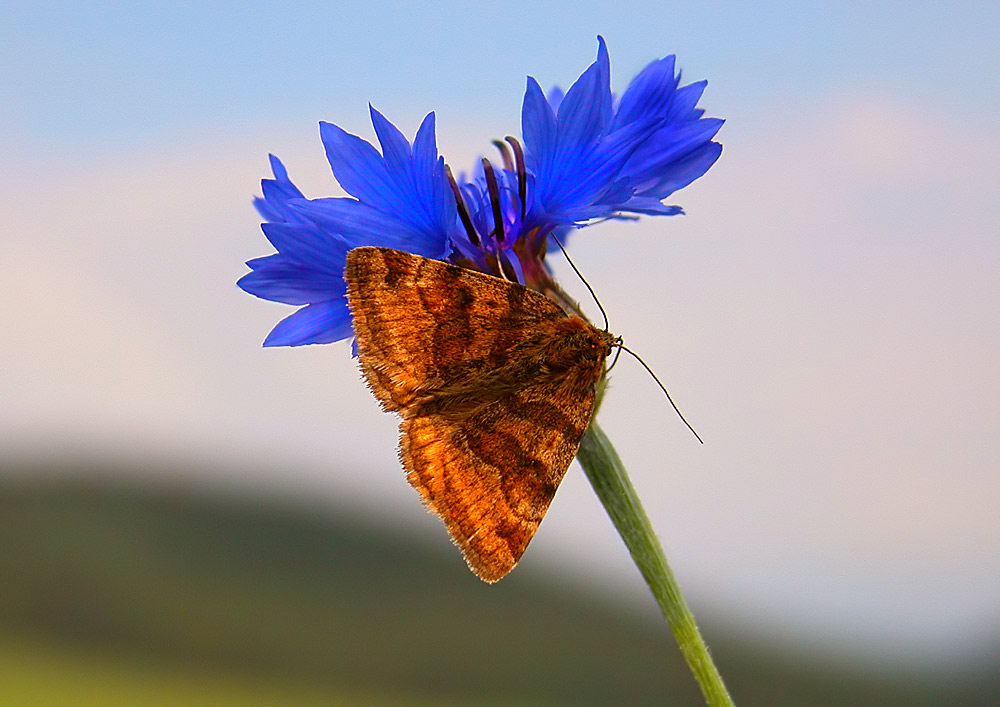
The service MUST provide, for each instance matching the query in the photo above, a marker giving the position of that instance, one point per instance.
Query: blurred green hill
(130, 594)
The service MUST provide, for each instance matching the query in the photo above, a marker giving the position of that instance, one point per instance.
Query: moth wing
(483, 441)
(491, 475)
(422, 324)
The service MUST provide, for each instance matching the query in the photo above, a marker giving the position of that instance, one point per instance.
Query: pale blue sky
(81, 77)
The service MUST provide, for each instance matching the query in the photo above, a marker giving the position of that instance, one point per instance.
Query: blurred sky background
(827, 314)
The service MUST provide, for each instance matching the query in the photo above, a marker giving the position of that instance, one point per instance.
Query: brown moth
(495, 384)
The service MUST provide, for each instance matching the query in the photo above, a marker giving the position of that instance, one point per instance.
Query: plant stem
(607, 475)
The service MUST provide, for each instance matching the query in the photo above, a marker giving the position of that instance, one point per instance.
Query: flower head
(586, 157)
(401, 200)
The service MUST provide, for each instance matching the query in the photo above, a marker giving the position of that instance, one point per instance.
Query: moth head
(579, 345)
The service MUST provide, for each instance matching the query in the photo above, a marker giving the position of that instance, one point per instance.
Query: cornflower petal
(649, 93)
(555, 97)
(319, 323)
(538, 125)
(584, 114)
(306, 244)
(290, 283)
(276, 193)
(682, 172)
(401, 200)
(684, 101)
(360, 224)
(592, 159)
(395, 147)
(406, 185)
(665, 152)
(588, 179)
(357, 165)
(307, 268)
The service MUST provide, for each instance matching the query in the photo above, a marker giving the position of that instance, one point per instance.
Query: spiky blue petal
(589, 158)
(317, 323)
(594, 159)
(401, 199)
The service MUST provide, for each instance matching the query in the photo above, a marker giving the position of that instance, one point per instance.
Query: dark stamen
(508, 162)
(493, 264)
(494, 190)
(463, 212)
(522, 173)
(506, 269)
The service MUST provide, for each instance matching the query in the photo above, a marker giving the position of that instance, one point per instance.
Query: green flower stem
(607, 475)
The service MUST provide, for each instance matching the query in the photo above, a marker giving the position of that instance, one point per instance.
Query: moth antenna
(622, 347)
(617, 354)
(584, 280)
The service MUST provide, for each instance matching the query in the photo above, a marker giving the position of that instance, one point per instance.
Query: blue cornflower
(401, 200)
(586, 157)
